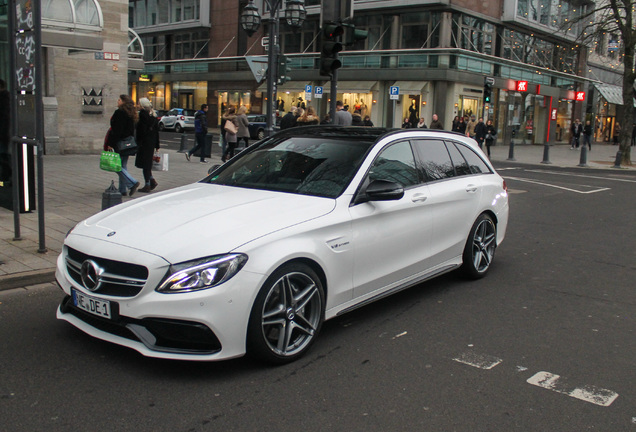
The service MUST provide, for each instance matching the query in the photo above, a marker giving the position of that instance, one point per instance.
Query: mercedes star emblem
(91, 275)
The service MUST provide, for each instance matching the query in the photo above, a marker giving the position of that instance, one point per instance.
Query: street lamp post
(250, 21)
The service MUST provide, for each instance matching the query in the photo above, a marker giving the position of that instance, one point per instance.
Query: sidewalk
(74, 185)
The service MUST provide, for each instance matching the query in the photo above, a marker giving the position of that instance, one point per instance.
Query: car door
(170, 119)
(455, 195)
(391, 238)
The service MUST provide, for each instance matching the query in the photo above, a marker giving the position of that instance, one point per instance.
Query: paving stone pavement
(74, 185)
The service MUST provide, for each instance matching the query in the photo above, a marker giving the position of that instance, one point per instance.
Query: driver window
(396, 163)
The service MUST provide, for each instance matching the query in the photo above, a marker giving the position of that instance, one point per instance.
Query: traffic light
(487, 92)
(282, 69)
(331, 46)
(353, 35)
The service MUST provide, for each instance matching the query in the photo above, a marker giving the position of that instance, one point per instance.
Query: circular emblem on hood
(110, 234)
(91, 275)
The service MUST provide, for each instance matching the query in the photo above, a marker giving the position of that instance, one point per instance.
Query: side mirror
(213, 168)
(383, 190)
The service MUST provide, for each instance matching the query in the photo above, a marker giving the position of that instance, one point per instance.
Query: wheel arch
(315, 267)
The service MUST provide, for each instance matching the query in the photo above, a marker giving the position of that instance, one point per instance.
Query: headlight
(202, 274)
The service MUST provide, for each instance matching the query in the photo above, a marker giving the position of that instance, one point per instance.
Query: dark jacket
(490, 129)
(147, 139)
(201, 123)
(587, 130)
(288, 121)
(121, 126)
(436, 125)
(480, 132)
(356, 119)
(459, 127)
(576, 130)
(368, 123)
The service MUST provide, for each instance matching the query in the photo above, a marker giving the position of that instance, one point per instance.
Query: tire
(260, 134)
(178, 128)
(287, 315)
(162, 127)
(480, 248)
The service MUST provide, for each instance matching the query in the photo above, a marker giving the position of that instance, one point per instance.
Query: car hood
(200, 219)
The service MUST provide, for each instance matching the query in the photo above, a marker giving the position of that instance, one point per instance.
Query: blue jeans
(126, 181)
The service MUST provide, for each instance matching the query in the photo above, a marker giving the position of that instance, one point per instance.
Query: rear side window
(435, 160)
(476, 164)
(461, 166)
(189, 112)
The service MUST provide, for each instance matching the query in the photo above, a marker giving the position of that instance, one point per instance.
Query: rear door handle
(471, 188)
(419, 198)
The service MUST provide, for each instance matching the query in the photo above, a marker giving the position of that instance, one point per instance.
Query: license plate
(92, 305)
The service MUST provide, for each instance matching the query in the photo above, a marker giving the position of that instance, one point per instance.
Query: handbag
(231, 127)
(110, 161)
(488, 136)
(160, 162)
(127, 146)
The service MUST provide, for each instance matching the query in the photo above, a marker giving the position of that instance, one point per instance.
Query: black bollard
(511, 152)
(583, 159)
(184, 143)
(546, 154)
(619, 158)
(111, 196)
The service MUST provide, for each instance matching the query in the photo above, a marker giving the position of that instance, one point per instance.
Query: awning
(290, 86)
(611, 93)
(411, 87)
(353, 86)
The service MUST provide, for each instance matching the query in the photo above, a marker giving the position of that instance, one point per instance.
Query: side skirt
(400, 287)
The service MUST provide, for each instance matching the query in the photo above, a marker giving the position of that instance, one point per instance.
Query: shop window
(419, 30)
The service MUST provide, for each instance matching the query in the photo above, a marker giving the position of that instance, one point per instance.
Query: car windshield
(318, 166)
(189, 112)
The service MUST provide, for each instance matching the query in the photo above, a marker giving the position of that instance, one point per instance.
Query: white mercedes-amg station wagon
(299, 228)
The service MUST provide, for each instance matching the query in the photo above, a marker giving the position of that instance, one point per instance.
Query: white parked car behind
(324, 220)
(178, 119)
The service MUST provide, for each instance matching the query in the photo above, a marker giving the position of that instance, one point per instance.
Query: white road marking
(581, 175)
(399, 335)
(591, 394)
(555, 186)
(481, 361)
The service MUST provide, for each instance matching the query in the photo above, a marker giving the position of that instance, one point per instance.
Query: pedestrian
(634, 134)
(326, 120)
(122, 125)
(308, 117)
(367, 121)
(421, 124)
(243, 126)
(470, 127)
(587, 134)
(200, 132)
(436, 124)
(341, 116)
(491, 134)
(356, 118)
(289, 119)
(5, 122)
(231, 129)
(406, 124)
(147, 142)
(480, 132)
(222, 140)
(455, 121)
(460, 126)
(576, 129)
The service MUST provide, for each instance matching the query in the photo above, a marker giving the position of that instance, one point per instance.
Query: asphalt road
(544, 343)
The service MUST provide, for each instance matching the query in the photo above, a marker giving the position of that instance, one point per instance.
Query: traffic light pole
(334, 96)
(272, 67)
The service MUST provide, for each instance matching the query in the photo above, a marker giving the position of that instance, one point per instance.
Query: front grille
(119, 279)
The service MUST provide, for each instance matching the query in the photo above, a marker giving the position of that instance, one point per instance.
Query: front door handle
(419, 198)
(471, 188)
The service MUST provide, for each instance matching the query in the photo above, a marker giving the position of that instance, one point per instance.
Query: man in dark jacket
(480, 132)
(200, 132)
(289, 119)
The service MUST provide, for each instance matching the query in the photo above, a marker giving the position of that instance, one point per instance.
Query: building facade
(437, 52)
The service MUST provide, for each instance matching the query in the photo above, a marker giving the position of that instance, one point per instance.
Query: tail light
(182, 118)
(505, 186)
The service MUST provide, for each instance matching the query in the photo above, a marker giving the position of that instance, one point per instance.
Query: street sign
(265, 41)
(489, 80)
(318, 92)
(258, 66)
(308, 91)
(394, 92)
